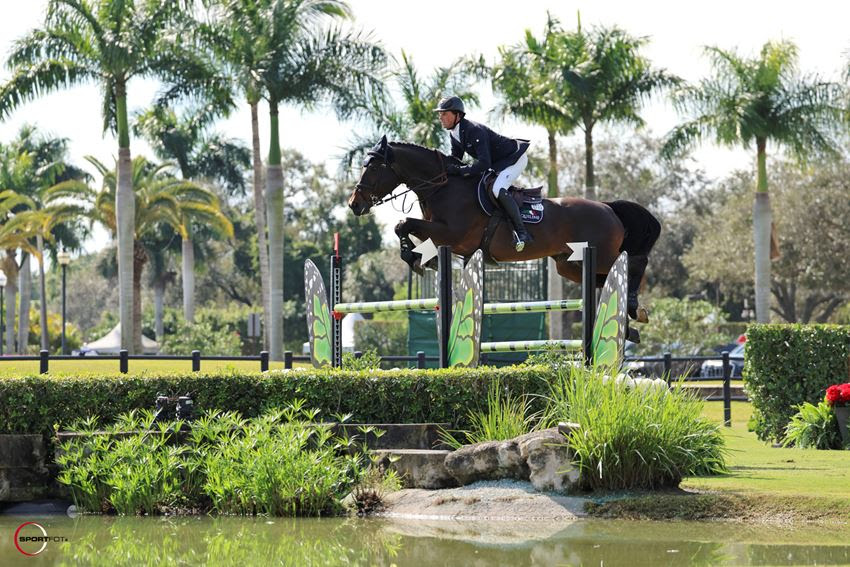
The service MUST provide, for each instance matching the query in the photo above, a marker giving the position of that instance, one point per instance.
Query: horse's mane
(419, 147)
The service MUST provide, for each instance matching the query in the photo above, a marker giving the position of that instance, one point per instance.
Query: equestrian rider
(491, 151)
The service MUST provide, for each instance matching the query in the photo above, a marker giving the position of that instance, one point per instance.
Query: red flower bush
(838, 394)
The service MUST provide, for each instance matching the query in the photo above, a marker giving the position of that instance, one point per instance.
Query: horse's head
(377, 180)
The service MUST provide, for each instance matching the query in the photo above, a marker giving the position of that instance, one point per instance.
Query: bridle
(434, 183)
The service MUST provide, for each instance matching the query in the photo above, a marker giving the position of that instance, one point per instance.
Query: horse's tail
(642, 228)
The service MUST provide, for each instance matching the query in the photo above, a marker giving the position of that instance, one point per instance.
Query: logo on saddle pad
(530, 201)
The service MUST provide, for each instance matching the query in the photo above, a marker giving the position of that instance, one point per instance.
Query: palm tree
(750, 102)
(161, 199)
(108, 42)
(28, 165)
(299, 63)
(198, 156)
(415, 120)
(603, 78)
(527, 77)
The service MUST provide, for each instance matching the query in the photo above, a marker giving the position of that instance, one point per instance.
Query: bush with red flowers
(838, 395)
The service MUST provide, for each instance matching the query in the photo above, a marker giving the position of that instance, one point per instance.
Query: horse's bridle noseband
(435, 182)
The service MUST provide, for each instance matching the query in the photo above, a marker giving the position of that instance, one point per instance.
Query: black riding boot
(512, 210)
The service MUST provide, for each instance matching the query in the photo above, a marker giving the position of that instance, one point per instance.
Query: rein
(434, 183)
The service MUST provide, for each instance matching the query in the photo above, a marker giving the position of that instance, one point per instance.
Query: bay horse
(453, 217)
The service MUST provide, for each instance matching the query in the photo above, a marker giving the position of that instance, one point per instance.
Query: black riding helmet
(450, 103)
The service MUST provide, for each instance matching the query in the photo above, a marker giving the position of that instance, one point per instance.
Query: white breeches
(509, 174)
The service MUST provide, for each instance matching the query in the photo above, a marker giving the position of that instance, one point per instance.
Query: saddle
(529, 200)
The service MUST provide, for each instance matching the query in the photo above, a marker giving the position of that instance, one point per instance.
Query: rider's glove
(452, 169)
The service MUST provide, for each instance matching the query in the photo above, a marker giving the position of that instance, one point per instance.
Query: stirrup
(521, 241)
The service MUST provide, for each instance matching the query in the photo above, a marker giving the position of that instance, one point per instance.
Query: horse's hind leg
(637, 267)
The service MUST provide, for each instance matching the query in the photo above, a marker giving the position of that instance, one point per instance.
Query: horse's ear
(383, 142)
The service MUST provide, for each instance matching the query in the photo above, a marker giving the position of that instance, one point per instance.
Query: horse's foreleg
(439, 233)
(405, 243)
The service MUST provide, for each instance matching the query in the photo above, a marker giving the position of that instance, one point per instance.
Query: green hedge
(786, 365)
(33, 404)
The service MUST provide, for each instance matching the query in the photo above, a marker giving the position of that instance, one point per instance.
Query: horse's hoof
(417, 267)
(642, 315)
(632, 335)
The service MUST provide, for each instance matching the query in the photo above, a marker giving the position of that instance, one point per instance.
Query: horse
(452, 216)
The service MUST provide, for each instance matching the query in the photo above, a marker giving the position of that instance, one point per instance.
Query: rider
(505, 156)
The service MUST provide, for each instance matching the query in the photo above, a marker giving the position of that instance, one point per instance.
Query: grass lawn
(756, 467)
(87, 365)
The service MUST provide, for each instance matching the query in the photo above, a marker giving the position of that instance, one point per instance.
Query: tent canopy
(110, 343)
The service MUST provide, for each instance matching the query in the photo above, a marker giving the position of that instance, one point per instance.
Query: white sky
(436, 32)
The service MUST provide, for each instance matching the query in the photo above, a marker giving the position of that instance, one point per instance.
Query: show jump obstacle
(459, 323)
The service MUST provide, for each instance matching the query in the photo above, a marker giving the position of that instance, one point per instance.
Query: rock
(418, 468)
(492, 460)
(549, 459)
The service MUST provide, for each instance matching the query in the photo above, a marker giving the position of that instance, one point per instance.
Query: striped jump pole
(524, 346)
(532, 306)
(381, 306)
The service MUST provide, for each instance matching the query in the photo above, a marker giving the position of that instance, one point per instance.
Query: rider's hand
(452, 169)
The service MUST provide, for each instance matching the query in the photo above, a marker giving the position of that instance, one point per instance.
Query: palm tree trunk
(10, 268)
(274, 200)
(555, 284)
(139, 259)
(158, 307)
(589, 174)
(260, 218)
(761, 236)
(125, 220)
(45, 342)
(25, 285)
(188, 257)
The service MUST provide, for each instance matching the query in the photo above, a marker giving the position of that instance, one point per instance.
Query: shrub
(813, 427)
(386, 337)
(202, 336)
(789, 365)
(634, 437)
(33, 404)
(281, 463)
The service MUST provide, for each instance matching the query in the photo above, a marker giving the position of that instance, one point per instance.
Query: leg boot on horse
(512, 210)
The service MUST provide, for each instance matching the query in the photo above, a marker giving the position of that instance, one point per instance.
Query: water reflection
(234, 542)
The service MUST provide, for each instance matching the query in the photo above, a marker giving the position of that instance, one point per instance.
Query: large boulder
(549, 460)
(491, 460)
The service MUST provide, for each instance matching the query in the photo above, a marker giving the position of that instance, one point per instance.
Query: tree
(603, 78)
(810, 276)
(750, 101)
(198, 156)
(160, 199)
(293, 61)
(108, 42)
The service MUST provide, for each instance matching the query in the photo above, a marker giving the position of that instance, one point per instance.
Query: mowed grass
(758, 468)
(89, 365)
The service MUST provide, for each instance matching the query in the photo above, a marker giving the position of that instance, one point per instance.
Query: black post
(668, 367)
(43, 357)
(727, 390)
(335, 297)
(588, 299)
(2, 321)
(122, 361)
(444, 302)
(287, 360)
(264, 359)
(420, 359)
(64, 349)
(196, 361)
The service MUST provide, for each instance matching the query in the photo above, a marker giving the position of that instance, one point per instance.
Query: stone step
(715, 392)
(418, 468)
(423, 436)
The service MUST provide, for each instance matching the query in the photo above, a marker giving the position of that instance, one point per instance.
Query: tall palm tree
(750, 101)
(294, 61)
(527, 77)
(161, 199)
(603, 78)
(108, 42)
(198, 156)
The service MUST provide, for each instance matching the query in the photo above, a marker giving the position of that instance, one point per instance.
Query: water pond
(235, 542)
